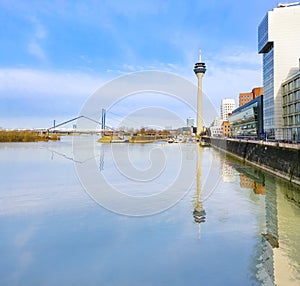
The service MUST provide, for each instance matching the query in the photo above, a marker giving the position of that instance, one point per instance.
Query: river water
(231, 225)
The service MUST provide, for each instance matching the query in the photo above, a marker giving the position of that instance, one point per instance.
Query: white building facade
(279, 42)
(227, 106)
(216, 128)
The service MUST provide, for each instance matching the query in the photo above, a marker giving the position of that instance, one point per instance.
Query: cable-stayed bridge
(59, 128)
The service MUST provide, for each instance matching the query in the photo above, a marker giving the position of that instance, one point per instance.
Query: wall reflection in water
(276, 260)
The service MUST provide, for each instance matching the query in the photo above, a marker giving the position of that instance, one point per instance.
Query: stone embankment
(278, 158)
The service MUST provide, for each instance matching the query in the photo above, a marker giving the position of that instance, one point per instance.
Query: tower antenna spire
(200, 55)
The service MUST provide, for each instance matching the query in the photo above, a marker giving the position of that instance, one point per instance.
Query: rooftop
(283, 5)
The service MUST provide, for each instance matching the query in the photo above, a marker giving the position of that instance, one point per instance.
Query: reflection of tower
(101, 164)
(199, 212)
(199, 70)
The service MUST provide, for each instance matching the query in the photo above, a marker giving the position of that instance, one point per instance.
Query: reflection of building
(252, 179)
(276, 253)
(247, 120)
(286, 258)
(227, 106)
(279, 42)
(270, 237)
(291, 107)
(229, 174)
(248, 183)
(264, 250)
(248, 96)
(259, 189)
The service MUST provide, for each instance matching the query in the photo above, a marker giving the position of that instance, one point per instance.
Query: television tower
(199, 70)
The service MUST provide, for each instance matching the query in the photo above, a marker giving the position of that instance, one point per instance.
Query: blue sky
(54, 54)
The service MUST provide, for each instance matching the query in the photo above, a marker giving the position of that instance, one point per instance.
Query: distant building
(190, 122)
(248, 96)
(247, 120)
(226, 129)
(257, 91)
(291, 107)
(245, 97)
(215, 129)
(279, 42)
(227, 106)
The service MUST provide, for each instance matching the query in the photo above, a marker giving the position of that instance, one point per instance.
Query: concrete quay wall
(280, 160)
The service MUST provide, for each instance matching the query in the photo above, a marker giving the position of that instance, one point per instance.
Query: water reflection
(271, 251)
(52, 233)
(199, 213)
(101, 160)
(229, 173)
(276, 256)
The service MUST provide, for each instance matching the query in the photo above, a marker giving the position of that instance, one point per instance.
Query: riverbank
(279, 159)
(131, 139)
(25, 136)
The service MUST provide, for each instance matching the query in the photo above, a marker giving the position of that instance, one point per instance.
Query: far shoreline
(13, 136)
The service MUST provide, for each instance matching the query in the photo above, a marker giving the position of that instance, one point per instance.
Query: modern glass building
(279, 42)
(247, 120)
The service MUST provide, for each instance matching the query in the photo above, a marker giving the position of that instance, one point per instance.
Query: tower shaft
(199, 105)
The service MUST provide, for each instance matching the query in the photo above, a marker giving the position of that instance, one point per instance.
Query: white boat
(119, 141)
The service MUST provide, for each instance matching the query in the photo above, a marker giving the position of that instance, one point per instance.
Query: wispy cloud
(227, 82)
(35, 44)
(37, 83)
(33, 98)
(237, 55)
(155, 66)
(35, 49)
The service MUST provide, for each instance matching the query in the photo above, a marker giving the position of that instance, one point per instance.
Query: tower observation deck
(199, 68)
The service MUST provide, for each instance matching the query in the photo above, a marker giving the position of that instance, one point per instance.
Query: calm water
(53, 233)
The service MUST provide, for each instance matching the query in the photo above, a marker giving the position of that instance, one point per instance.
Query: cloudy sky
(55, 54)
